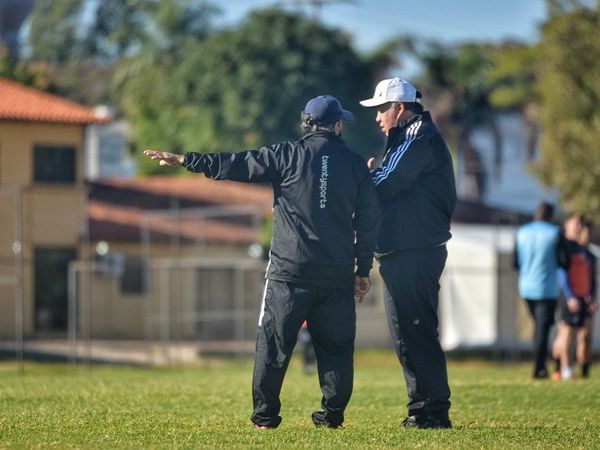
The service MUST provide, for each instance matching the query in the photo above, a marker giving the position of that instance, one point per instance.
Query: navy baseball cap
(327, 109)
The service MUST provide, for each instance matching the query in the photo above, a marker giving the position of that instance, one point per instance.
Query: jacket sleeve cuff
(192, 162)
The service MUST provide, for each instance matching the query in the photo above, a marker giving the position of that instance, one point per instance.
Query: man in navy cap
(324, 231)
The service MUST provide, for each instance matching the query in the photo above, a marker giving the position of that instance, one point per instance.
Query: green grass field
(494, 406)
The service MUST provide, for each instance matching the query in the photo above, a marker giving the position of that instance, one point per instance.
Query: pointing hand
(165, 158)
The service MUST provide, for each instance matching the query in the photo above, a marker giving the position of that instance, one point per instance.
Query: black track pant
(331, 317)
(411, 286)
(542, 312)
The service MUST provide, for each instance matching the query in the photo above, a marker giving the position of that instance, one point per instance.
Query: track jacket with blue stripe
(324, 211)
(416, 188)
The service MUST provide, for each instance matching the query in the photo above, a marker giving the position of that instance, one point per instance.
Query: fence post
(240, 301)
(19, 296)
(165, 311)
(72, 311)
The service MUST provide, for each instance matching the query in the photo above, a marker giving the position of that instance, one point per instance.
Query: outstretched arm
(247, 166)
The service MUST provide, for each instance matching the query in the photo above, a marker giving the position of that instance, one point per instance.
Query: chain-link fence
(186, 304)
(158, 302)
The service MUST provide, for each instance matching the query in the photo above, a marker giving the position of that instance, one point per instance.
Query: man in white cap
(417, 195)
(324, 231)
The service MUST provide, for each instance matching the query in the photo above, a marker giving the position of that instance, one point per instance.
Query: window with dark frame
(54, 164)
(133, 277)
(51, 265)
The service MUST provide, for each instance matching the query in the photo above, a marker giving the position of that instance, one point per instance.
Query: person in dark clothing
(324, 224)
(576, 283)
(417, 195)
(536, 257)
(584, 334)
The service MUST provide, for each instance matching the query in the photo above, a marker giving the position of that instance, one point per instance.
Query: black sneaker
(540, 374)
(410, 422)
(426, 422)
(585, 370)
(319, 418)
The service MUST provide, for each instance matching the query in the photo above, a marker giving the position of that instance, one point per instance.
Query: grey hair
(310, 124)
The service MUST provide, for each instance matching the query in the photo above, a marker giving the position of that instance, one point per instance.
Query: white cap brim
(372, 102)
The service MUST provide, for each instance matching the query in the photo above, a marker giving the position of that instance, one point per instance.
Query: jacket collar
(325, 134)
(399, 130)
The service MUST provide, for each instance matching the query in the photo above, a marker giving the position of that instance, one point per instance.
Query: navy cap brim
(347, 116)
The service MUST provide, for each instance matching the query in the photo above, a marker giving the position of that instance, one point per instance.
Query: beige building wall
(51, 215)
(177, 302)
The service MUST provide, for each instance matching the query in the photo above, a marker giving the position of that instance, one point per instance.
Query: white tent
(478, 299)
(480, 305)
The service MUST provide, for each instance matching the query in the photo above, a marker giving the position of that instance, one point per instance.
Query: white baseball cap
(393, 90)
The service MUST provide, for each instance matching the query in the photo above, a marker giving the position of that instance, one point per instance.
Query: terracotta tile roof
(118, 209)
(118, 223)
(196, 190)
(25, 104)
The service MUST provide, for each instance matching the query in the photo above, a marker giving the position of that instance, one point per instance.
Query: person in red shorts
(576, 285)
(584, 334)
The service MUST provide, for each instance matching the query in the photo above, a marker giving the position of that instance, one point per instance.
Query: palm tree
(466, 87)
(457, 81)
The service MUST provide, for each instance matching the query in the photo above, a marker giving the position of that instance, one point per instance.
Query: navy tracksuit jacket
(417, 195)
(323, 196)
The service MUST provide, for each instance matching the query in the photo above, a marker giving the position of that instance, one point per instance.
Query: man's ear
(401, 111)
(337, 127)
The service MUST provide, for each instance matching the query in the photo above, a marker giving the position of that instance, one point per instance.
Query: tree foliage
(62, 31)
(570, 89)
(54, 32)
(557, 8)
(515, 70)
(10, 69)
(80, 43)
(457, 90)
(246, 87)
(119, 28)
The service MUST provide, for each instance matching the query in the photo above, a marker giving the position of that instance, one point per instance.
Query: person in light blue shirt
(537, 258)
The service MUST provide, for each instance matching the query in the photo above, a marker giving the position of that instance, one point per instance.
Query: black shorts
(577, 319)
